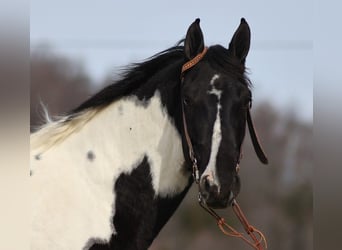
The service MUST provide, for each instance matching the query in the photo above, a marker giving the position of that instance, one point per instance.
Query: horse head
(216, 98)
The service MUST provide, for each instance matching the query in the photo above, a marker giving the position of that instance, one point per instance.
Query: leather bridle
(188, 65)
(257, 237)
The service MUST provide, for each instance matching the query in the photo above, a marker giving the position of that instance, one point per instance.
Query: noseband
(257, 237)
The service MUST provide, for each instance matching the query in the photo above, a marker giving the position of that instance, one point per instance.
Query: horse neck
(135, 139)
(166, 84)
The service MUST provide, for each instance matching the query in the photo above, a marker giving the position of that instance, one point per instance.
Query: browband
(193, 61)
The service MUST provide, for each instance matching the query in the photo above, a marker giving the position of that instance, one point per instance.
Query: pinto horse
(110, 174)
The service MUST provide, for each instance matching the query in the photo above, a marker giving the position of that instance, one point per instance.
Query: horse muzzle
(213, 196)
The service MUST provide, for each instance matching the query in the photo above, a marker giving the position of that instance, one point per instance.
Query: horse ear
(194, 43)
(240, 43)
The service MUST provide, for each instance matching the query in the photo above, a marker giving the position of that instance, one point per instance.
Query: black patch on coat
(139, 215)
(90, 155)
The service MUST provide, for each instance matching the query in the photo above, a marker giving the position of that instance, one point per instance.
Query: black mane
(132, 78)
(138, 73)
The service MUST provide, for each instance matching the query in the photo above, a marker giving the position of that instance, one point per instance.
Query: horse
(110, 173)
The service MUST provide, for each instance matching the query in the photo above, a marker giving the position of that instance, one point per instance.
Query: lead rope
(258, 239)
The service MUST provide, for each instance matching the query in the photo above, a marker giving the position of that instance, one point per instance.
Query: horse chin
(217, 204)
(220, 203)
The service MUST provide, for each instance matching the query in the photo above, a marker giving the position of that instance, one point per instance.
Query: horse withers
(110, 174)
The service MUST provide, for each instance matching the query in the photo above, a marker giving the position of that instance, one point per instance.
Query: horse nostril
(205, 183)
(208, 186)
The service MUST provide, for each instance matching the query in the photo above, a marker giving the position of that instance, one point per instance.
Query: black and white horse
(111, 173)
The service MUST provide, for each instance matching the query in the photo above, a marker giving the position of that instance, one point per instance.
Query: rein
(258, 239)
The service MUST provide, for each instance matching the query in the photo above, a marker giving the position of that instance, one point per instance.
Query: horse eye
(186, 101)
(248, 103)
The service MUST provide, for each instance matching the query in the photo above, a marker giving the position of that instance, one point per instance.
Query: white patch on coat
(72, 197)
(210, 172)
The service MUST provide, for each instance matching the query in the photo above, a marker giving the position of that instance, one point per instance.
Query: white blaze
(210, 171)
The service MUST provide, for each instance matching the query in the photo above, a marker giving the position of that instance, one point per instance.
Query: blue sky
(106, 35)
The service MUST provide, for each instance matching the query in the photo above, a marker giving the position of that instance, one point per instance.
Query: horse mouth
(220, 203)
